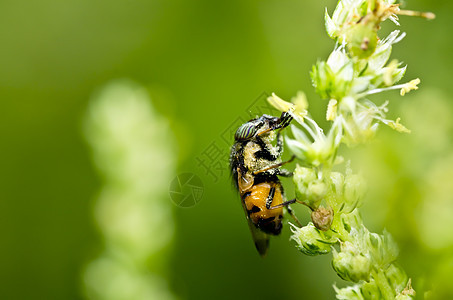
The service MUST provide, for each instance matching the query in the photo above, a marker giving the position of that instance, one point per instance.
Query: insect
(255, 164)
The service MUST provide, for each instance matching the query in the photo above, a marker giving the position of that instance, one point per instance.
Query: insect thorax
(255, 164)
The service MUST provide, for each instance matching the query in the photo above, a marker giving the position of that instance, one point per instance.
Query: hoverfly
(255, 164)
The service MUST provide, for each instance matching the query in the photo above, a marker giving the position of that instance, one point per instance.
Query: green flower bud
(382, 248)
(335, 196)
(354, 190)
(370, 290)
(346, 192)
(349, 293)
(333, 79)
(311, 144)
(303, 175)
(396, 277)
(323, 79)
(309, 189)
(352, 220)
(361, 39)
(337, 181)
(408, 293)
(403, 297)
(350, 264)
(360, 120)
(311, 241)
(316, 191)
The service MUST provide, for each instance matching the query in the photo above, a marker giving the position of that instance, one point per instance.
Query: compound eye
(246, 131)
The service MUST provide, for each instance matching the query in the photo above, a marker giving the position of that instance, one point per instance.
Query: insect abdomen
(267, 220)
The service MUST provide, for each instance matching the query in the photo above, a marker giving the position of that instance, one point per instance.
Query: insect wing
(260, 238)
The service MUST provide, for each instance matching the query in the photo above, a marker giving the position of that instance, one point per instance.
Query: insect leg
(270, 197)
(290, 211)
(286, 203)
(284, 173)
(274, 166)
(283, 121)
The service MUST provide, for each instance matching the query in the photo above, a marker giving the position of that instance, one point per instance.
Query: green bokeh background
(203, 62)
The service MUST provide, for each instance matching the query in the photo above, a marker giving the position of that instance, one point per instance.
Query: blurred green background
(204, 63)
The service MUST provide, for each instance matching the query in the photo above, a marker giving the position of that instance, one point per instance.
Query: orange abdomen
(268, 220)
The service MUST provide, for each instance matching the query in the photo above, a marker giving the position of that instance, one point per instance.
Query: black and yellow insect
(255, 166)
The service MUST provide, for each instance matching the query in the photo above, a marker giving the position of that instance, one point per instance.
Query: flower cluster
(347, 80)
(357, 68)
